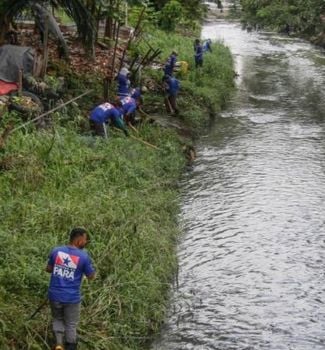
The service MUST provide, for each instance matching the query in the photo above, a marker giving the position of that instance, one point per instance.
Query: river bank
(302, 19)
(306, 21)
(121, 190)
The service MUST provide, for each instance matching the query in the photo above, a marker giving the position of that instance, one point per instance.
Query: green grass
(63, 17)
(125, 194)
(210, 86)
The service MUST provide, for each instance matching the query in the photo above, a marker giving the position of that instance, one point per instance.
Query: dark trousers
(130, 118)
(100, 129)
(198, 63)
(65, 318)
(97, 129)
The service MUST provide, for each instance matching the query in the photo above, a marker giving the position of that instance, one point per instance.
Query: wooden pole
(114, 54)
(145, 142)
(146, 58)
(171, 109)
(51, 111)
(126, 13)
(131, 37)
(137, 27)
(154, 55)
(142, 141)
(45, 47)
(144, 113)
(142, 61)
(20, 81)
(133, 62)
(133, 128)
(110, 74)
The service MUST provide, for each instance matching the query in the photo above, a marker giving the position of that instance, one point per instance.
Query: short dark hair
(77, 232)
(117, 102)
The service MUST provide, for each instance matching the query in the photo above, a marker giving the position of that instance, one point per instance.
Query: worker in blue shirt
(170, 64)
(198, 53)
(101, 115)
(130, 105)
(123, 83)
(67, 266)
(207, 46)
(171, 87)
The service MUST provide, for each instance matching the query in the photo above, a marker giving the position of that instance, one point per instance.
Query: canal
(252, 257)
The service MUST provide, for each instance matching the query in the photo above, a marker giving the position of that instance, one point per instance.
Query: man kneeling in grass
(67, 265)
(106, 112)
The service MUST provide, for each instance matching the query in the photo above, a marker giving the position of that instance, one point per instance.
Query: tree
(170, 14)
(304, 16)
(76, 9)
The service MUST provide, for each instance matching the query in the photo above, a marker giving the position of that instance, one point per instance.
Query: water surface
(252, 259)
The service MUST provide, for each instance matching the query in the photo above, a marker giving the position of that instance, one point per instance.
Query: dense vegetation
(124, 192)
(203, 92)
(301, 16)
(88, 13)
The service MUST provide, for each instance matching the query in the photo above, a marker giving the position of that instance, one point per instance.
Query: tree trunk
(109, 27)
(4, 25)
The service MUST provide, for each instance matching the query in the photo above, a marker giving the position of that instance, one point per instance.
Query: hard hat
(124, 71)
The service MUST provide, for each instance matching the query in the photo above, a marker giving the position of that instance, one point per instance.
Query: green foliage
(193, 9)
(170, 14)
(74, 9)
(303, 16)
(158, 4)
(150, 17)
(204, 91)
(125, 194)
(184, 12)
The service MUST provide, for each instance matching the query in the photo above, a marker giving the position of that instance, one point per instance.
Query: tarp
(13, 58)
(5, 87)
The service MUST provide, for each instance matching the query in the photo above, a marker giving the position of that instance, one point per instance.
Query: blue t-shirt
(198, 52)
(104, 112)
(129, 105)
(123, 85)
(207, 46)
(69, 265)
(172, 86)
(170, 64)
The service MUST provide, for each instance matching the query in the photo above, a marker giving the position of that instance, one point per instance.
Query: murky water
(252, 261)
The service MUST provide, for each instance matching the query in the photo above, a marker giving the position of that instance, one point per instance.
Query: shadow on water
(252, 258)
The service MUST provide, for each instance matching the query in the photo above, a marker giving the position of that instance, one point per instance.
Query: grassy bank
(301, 18)
(124, 192)
(205, 91)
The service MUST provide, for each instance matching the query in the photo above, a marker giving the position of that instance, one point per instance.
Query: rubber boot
(58, 347)
(70, 346)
